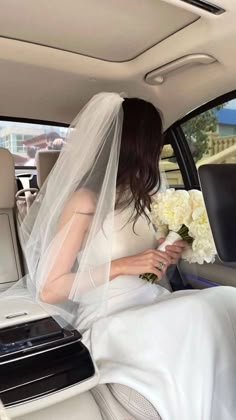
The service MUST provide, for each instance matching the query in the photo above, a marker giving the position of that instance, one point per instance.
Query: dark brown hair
(141, 143)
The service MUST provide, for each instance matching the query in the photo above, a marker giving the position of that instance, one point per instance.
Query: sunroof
(106, 29)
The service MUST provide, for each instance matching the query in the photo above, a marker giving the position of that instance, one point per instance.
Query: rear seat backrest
(45, 160)
(10, 268)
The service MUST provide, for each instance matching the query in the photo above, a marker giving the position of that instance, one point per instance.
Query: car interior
(54, 56)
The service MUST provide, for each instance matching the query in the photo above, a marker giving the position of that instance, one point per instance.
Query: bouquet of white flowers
(181, 215)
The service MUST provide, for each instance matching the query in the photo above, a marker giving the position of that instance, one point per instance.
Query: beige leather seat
(45, 160)
(119, 402)
(10, 267)
(99, 404)
(82, 406)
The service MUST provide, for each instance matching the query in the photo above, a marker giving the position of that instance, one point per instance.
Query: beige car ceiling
(54, 55)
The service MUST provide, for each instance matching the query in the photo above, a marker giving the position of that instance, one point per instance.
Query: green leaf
(148, 277)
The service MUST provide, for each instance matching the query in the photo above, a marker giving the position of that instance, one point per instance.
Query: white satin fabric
(177, 349)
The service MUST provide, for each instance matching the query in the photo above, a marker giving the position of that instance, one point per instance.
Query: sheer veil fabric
(89, 160)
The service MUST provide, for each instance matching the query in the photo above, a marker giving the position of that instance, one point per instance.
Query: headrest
(45, 160)
(7, 179)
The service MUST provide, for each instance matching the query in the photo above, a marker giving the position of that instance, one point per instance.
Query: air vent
(205, 5)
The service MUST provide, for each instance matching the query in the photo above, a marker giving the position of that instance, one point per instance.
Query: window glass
(170, 166)
(212, 135)
(23, 140)
(212, 139)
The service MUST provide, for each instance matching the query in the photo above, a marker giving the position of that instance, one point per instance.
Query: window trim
(33, 121)
(205, 107)
(185, 155)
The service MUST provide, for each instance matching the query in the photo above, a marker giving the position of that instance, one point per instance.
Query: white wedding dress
(176, 349)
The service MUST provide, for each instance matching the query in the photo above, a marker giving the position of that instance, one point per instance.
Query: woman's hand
(145, 262)
(174, 251)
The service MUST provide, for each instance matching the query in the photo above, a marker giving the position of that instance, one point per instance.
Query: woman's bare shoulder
(82, 201)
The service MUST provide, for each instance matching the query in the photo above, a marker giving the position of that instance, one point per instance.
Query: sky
(231, 104)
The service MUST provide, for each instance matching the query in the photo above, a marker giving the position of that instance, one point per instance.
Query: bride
(88, 237)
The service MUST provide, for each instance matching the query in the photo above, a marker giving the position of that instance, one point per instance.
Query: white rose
(196, 199)
(171, 208)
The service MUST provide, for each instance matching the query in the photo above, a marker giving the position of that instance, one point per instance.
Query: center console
(40, 360)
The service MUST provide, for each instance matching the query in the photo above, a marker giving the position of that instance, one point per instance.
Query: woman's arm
(148, 261)
(144, 262)
(78, 214)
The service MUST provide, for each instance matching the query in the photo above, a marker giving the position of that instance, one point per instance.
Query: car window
(23, 140)
(211, 135)
(170, 166)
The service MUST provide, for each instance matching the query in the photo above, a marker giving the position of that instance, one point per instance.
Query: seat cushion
(135, 404)
(118, 402)
(81, 406)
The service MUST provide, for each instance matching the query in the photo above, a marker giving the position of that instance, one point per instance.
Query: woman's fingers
(175, 250)
(158, 273)
(180, 243)
(162, 256)
(174, 253)
(153, 255)
(155, 262)
(149, 261)
(177, 247)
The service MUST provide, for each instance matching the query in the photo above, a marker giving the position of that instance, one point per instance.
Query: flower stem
(148, 277)
(184, 233)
